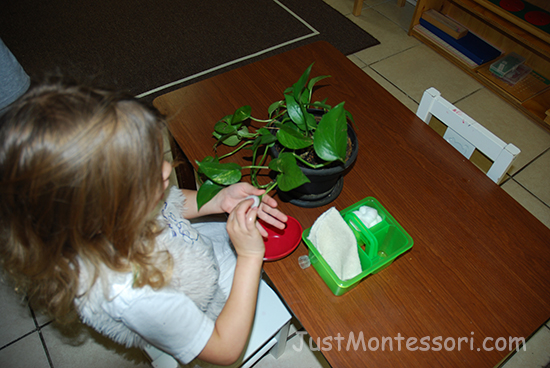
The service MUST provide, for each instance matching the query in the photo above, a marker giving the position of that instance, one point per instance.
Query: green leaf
(311, 84)
(293, 138)
(241, 114)
(223, 128)
(330, 138)
(207, 159)
(210, 159)
(311, 122)
(231, 140)
(264, 138)
(234, 138)
(290, 176)
(283, 119)
(315, 80)
(299, 86)
(350, 117)
(321, 105)
(206, 192)
(305, 97)
(274, 106)
(227, 118)
(295, 112)
(224, 174)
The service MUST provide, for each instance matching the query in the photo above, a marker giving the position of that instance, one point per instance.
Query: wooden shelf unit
(508, 34)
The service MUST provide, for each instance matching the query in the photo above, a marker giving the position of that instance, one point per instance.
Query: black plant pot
(325, 183)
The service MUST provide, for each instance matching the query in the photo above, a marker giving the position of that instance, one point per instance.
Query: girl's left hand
(234, 194)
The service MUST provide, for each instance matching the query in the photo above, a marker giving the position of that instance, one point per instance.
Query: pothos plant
(291, 125)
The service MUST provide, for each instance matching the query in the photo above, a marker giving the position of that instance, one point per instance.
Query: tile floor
(28, 340)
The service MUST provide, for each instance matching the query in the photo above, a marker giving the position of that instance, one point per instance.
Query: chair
(465, 134)
(269, 333)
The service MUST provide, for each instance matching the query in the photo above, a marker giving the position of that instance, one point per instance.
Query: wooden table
(480, 265)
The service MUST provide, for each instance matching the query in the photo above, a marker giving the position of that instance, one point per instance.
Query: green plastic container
(377, 246)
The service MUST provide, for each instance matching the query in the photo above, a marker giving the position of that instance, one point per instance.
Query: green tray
(377, 246)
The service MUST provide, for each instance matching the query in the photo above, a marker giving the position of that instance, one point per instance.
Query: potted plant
(306, 139)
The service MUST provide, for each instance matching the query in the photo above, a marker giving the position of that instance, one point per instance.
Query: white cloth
(331, 235)
(179, 318)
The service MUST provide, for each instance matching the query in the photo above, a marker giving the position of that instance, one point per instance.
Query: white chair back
(465, 134)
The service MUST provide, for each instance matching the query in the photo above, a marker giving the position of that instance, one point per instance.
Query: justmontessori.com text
(397, 343)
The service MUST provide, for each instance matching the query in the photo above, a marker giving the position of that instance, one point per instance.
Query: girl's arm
(235, 320)
(228, 198)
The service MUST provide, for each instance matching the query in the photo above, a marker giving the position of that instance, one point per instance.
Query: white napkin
(333, 238)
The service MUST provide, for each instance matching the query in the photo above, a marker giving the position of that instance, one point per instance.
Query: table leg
(357, 6)
(185, 173)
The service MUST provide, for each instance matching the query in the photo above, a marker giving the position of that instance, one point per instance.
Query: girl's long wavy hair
(81, 172)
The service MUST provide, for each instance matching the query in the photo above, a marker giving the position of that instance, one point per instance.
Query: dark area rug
(151, 47)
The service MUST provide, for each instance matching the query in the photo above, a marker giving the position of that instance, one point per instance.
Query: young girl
(82, 173)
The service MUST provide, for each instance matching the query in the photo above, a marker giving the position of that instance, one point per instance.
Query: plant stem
(270, 187)
(236, 150)
(268, 121)
(254, 173)
(310, 164)
(255, 167)
(260, 120)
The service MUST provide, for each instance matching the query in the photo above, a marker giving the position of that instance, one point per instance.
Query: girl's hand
(267, 211)
(245, 236)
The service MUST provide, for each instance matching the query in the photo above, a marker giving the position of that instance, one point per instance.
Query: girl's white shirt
(179, 318)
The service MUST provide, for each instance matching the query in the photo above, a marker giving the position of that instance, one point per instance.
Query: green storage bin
(378, 246)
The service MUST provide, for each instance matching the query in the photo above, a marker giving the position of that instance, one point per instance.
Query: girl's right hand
(245, 236)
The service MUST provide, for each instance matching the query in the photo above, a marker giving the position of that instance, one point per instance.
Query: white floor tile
(16, 319)
(537, 353)
(536, 177)
(388, 86)
(430, 70)
(87, 348)
(25, 353)
(346, 6)
(357, 61)
(393, 39)
(401, 16)
(508, 124)
(297, 354)
(528, 201)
